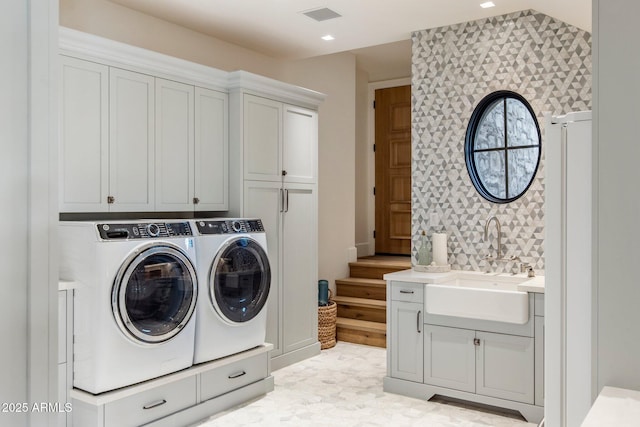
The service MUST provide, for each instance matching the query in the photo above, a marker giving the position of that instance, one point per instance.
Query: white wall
(116, 22)
(363, 149)
(617, 199)
(28, 288)
(14, 190)
(335, 76)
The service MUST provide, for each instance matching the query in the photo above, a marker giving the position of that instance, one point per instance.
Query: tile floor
(343, 387)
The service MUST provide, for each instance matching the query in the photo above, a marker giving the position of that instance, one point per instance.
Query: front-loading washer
(134, 301)
(234, 277)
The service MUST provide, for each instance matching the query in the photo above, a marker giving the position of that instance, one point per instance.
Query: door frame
(369, 247)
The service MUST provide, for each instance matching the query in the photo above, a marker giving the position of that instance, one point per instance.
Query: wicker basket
(327, 325)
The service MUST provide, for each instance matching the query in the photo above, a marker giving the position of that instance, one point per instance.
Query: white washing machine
(134, 302)
(234, 278)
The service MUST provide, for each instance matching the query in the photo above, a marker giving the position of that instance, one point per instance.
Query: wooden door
(393, 170)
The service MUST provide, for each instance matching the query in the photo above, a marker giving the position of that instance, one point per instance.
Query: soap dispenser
(424, 253)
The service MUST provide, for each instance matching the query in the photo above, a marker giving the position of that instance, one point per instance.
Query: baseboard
(295, 356)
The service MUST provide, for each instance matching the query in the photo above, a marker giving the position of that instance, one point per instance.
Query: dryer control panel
(229, 226)
(146, 230)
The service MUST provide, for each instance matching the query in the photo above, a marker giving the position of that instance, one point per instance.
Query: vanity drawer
(233, 376)
(152, 404)
(407, 292)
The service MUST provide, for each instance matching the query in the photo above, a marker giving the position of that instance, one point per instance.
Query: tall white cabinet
(274, 146)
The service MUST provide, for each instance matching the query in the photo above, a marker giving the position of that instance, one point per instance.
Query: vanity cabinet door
(449, 358)
(406, 341)
(505, 367)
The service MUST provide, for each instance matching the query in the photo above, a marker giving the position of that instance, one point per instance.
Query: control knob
(153, 230)
(237, 226)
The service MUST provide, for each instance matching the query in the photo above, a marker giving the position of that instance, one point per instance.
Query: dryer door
(239, 280)
(154, 294)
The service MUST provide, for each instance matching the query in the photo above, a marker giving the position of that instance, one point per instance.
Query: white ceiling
(278, 28)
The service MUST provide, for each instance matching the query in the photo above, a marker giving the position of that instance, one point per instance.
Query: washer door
(239, 280)
(154, 293)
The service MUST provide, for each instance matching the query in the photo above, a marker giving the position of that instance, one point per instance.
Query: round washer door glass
(240, 279)
(154, 294)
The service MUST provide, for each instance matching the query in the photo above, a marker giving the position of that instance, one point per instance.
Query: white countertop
(533, 285)
(65, 285)
(614, 407)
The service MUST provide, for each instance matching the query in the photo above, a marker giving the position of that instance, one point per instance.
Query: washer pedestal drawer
(233, 376)
(181, 398)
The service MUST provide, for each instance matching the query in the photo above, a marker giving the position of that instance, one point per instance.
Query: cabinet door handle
(237, 375)
(404, 291)
(284, 173)
(286, 192)
(418, 321)
(476, 341)
(111, 200)
(196, 200)
(155, 404)
(281, 200)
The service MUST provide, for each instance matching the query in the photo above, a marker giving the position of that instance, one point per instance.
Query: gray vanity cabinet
(493, 363)
(505, 366)
(449, 358)
(490, 364)
(406, 361)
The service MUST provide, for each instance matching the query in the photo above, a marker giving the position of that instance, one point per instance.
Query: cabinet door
(505, 367)
(539, 368)
(84, 133)
(449, 358)
(406, 341)
(300, 145)
(211, 151)
(300, 267)
(264, 200)
(174, 146)
(131, 141)
(262, 139)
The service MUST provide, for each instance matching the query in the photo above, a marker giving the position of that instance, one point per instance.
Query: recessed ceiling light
(328, 37)
(487, 4)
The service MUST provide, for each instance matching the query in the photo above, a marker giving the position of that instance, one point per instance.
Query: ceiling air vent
(323, 14)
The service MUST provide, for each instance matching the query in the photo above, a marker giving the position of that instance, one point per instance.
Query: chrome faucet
(486, 232)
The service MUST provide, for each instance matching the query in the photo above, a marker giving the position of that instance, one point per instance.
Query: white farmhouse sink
(479, 296)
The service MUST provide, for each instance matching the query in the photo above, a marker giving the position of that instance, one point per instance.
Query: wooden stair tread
(361, 325)
(362, 281)
(361, 302)
(402, 265)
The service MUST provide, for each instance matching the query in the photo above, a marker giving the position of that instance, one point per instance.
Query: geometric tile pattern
(546, 61)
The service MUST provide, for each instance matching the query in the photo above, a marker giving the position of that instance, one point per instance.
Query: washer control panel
(229, 226)
(144, 230)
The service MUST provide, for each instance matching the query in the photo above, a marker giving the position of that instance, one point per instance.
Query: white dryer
(134, 303)
(234, 277)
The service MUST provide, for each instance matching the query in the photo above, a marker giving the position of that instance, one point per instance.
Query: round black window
(502, 146)
(154, 296)
(240, 279)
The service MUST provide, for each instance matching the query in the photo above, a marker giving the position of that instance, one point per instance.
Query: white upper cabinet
(131, 141)
(174, 146)
(262, 129)
(211, 150)
(84, 136)
(300, 145)
(280, 141)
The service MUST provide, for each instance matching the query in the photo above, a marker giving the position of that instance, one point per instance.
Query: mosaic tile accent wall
(546, 61)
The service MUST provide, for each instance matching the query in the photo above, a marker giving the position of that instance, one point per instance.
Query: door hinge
(374, 148)
(374, 104)
(374, 191)
(374, 234)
